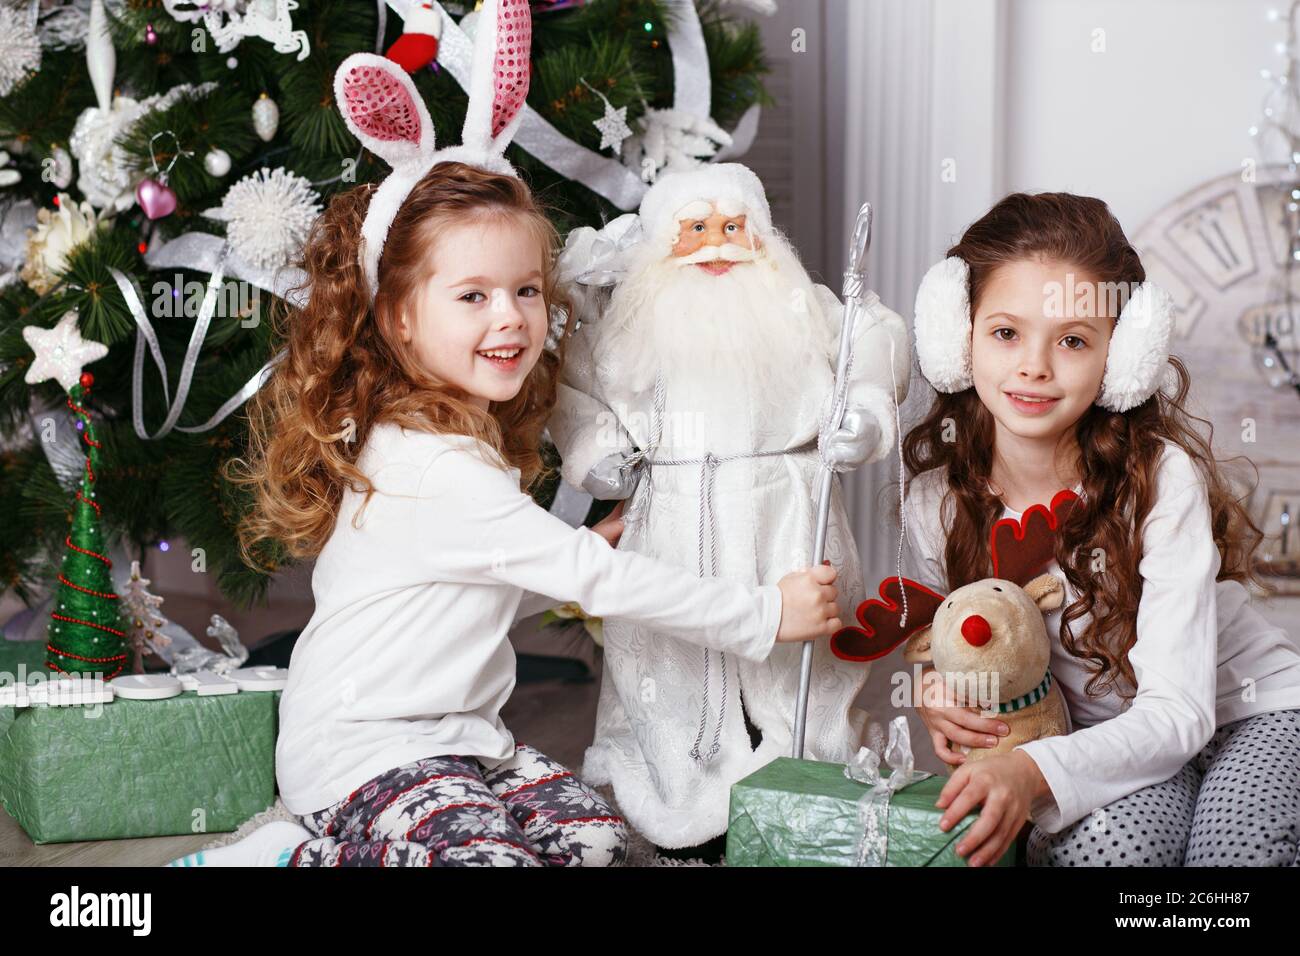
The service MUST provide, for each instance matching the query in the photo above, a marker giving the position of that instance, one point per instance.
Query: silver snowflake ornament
(613, 127)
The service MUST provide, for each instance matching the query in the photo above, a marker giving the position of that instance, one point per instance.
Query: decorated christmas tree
(163, 160)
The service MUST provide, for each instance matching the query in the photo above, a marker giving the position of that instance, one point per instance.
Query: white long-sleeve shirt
(407, 654)
(1203, 656)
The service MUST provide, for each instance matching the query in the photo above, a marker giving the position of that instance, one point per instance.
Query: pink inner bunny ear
(512, 66)
(380, 105)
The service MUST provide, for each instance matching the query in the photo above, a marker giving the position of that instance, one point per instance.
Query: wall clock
(1221, 251)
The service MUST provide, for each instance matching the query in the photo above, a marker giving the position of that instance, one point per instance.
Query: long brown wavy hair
(347, 369)
(1120, 452)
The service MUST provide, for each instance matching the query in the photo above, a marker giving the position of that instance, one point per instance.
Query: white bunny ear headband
(384, 111)
(1136, 363)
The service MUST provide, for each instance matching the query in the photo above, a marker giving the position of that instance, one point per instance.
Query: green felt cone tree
(86, 634)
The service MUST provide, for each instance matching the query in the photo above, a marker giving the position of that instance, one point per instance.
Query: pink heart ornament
(155, 198)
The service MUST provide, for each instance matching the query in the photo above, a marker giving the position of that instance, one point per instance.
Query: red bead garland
(98, 594)
(74, 620)
(88, 660)
(68, 541)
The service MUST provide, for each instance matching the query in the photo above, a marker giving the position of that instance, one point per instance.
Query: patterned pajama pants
(1236, 803)
(449, 811)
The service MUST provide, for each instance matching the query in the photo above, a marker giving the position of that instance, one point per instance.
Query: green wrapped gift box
(134, 768)
(805, 813)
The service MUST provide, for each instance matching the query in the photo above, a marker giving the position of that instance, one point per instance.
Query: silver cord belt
(706, 525)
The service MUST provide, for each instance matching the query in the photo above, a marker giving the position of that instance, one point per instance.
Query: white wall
(1164, 108)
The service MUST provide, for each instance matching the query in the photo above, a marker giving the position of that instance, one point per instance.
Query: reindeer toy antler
(987, 639)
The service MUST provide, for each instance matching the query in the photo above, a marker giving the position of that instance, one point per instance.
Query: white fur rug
(640, 851)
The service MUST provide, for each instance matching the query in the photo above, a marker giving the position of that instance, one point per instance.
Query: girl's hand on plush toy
(949, 723)
(610, 527)
(808, 608)
(1006, 785)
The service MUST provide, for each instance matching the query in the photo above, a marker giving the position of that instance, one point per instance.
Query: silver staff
(855, 285)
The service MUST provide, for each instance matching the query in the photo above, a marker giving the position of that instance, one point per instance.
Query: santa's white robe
(655, 706)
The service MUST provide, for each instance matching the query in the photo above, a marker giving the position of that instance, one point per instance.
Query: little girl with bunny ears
(391, 444)
(1185, 701)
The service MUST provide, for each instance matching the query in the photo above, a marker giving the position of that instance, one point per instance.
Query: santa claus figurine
(697, 392)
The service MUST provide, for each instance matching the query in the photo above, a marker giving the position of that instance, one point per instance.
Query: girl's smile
(1031, 403)
(504, 358)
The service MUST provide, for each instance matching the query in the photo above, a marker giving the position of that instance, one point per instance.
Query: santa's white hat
(731, 187)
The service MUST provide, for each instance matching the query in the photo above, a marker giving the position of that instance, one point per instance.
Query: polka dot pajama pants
(1236, 803)
(450, 811)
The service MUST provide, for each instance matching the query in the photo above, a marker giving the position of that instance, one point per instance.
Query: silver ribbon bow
(595, 256)
(873, 806)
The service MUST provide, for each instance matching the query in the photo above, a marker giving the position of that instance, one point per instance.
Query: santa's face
(709, 242)
(754, 326)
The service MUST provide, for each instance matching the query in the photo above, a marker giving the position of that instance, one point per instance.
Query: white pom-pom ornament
(268, 215)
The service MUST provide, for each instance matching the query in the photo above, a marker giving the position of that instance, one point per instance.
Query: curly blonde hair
(347, 369)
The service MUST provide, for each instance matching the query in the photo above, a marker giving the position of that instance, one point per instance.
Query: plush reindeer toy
(987, 639)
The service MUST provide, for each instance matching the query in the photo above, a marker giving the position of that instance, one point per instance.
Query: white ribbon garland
(194, 251)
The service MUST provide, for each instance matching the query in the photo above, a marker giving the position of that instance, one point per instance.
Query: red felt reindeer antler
(880, 632)
(1021, 549)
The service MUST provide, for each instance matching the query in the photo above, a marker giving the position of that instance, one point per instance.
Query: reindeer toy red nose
(976, 630)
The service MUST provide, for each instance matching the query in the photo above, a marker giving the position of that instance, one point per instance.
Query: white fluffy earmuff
(382, 108)
(1136, 362)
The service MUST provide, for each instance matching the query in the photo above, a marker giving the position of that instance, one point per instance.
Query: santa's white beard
(758, 326)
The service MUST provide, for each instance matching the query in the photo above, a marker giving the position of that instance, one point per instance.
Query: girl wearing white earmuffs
(1049, 354)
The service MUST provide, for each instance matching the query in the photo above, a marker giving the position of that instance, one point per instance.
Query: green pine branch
(568, 80)
(89, 286)
(24, 541)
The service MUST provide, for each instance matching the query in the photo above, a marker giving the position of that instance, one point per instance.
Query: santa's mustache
(728, 251)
